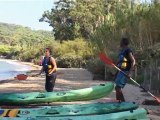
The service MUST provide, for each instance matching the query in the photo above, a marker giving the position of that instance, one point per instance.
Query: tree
(137, 21)
(59, 18)
(71, 19)
(88, 14)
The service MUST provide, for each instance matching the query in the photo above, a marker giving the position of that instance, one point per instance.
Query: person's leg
(119, 94)
(54, 76)
(120, 83)
(49, 84)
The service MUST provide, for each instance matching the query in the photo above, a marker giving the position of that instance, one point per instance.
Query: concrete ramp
(74, 74)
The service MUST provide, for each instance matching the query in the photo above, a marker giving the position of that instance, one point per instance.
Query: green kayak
(91, 93)
(137, 114)
(70, 110)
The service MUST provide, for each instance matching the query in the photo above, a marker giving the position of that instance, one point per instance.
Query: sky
(25, 12)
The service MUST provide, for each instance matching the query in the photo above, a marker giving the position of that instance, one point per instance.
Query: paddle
(108, 61)
(25, 76)
(21, 77)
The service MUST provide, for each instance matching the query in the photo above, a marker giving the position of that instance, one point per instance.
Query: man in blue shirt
(126, 63)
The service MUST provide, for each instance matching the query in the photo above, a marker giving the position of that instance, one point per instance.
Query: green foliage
(97, 68)
(72, 19)
(4, 50)
(70, 61)
(73, 53)
(77, 47)
(87, 14)
(22, 43)
(15, 35)
(28, 55)
(128, 20)
(8, 51)
(60, 20)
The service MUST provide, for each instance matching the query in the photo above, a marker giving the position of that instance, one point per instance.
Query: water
(9, 69)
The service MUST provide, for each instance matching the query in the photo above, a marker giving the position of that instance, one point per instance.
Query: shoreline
(29, 68)
(23, 63)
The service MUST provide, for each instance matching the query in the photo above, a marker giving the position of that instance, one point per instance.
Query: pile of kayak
(92, 111)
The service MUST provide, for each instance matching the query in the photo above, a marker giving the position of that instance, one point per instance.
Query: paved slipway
(75, 78)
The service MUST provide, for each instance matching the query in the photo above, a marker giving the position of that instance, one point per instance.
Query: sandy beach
(69, 79)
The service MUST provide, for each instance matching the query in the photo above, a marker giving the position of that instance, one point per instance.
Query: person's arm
(54, 64)
(40, 71)
(133, 62)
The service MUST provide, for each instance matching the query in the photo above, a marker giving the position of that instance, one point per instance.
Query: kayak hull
(138, 114)
(85, 94)
(70, 110)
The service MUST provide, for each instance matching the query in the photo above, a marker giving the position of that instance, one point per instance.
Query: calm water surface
(9, 69)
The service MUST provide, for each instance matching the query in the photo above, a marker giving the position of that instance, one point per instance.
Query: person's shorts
(121, 79)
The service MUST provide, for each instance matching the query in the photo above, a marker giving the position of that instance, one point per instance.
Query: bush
(77, 47)
(72, 53)
(5, 50)
(28, 55)
(96, 67)
(9, 51)
(69, 61)
(36, 61)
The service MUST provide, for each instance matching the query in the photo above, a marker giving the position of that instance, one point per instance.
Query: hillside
(12, 35)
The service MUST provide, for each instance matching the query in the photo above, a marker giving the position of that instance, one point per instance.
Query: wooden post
(135, 73)
(105, 76)
(150, 77)
(158, 73)
(145, 76)
(158, 79)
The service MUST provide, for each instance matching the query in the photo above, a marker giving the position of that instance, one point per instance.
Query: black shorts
(50, 82)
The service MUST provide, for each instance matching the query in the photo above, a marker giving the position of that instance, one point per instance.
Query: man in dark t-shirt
(126, 63)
